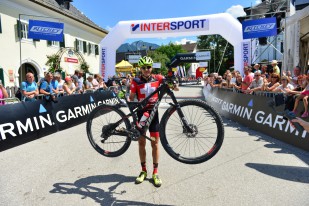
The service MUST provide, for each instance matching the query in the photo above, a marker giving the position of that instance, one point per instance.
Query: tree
(164, 54)
(84, 67)
(159, 57)
(171, 50)
(217, 44)
(53, 61)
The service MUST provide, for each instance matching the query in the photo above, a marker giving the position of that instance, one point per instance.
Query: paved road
(63, 169)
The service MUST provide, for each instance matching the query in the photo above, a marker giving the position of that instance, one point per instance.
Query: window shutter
(0, 25)
(62, 44)
(96, 49)
(76, 45)
(89, 48)
(49, 43)
(85, 47)
(18, 30)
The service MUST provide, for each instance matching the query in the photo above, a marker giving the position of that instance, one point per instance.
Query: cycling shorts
(154, 126)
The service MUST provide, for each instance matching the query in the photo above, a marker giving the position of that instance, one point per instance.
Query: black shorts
(154, 126)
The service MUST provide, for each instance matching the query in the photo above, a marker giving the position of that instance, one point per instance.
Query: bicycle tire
(203, 112)
(99, 117)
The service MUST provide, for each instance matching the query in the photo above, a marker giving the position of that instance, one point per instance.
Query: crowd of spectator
(53, 86)
(259, 80)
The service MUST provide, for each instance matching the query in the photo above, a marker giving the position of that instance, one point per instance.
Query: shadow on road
(290, 173)
(295, 174)
(104, 197)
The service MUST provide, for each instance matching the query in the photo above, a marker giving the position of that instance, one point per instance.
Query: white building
(21, 55)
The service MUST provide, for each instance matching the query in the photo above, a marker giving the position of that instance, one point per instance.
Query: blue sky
(107, 13)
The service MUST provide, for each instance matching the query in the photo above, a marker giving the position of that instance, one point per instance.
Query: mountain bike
(191, 131)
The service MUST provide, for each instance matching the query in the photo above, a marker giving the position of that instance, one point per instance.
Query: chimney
(64, 3)
(67, 4)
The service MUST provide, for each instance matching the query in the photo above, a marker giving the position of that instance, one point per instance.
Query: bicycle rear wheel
(103, 139)
(196, 147)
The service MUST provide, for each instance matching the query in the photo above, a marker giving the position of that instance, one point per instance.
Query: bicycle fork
(184, 121)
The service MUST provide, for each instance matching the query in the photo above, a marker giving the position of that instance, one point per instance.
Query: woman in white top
(285, 86)
(69, 87)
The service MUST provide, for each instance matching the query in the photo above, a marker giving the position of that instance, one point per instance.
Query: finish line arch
(224, 24)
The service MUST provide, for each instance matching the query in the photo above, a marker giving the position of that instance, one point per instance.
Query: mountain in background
(137, 46)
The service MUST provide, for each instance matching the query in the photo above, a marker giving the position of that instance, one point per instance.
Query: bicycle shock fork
(180, 113)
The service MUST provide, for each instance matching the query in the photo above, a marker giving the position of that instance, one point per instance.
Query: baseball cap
(68, 78)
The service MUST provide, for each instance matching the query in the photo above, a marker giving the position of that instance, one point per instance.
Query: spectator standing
(69, 87)
(296, 73)
(285, 86)
(95, 82)
(264, 71)
(256, 84)
(80, 86)
(247, 80)
(60, 83)
(228, 82)
(274, 83)
(238, 82)
(102, 83)
(46, 87)
(55, 83)
(304, 96)
(3, 93)
(89, 84)
(75, 77)
(29, 88)
(276, 69)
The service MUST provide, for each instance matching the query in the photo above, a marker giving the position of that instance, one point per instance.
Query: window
(53, 43)
(79, 45)
(23, 30)
(91, 48)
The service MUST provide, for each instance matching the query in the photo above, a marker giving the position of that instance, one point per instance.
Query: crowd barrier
(254, 112)
(26, 121)
(189, 82)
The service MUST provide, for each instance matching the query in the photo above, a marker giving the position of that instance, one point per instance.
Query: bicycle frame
(135, 106)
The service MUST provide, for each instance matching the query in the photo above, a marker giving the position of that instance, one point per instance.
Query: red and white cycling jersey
(143, 88)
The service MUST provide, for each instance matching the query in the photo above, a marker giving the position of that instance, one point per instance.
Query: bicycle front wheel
(103, 139)
(192, 147)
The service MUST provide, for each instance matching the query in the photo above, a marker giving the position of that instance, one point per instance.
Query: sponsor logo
(46, 30)
(44, 120)
(260, 27)
(258, 117)
(173, 26)
(245, 53)
(103, 61)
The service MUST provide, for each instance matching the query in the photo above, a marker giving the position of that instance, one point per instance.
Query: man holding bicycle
(142, 87)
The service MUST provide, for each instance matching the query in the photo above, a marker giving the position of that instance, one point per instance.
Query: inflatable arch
(223, 24)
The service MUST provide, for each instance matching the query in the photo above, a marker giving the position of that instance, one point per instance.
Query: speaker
(263, 41)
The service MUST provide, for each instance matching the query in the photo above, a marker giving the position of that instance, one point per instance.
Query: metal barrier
(10, 100)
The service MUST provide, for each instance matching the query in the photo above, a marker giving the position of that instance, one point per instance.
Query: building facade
(20, 54)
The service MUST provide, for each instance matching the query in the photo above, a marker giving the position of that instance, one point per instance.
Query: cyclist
(142, 86)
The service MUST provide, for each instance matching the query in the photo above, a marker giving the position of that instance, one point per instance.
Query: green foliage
(159, 57)
(170, 50)
(84, 67)
(216, 45)
(53, 61)
(164, 54)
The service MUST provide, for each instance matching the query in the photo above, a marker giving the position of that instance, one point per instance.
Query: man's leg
(142, 157)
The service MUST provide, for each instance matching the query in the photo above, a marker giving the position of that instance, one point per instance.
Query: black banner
(253, 111)
(26, 121)
(183, 58)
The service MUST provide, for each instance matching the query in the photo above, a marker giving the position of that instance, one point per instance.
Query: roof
(189, 47)
(72, 12)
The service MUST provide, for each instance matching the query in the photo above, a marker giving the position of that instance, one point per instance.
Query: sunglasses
(274, 77)
(257, 75)
(147, 67)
